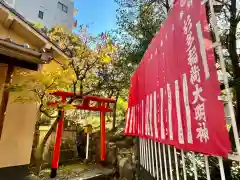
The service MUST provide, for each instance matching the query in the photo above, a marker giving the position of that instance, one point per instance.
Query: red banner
(174, 92)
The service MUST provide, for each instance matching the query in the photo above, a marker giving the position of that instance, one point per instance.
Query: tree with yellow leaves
(89, 58)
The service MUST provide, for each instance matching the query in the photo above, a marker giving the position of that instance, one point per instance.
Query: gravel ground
(93, 172)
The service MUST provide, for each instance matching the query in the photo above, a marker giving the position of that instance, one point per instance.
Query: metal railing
(163, 162)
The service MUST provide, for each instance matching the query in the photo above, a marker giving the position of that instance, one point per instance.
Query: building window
(40, 14)
(62, 7)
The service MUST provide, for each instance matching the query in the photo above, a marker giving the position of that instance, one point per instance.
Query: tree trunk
(232, 47)
(35, 139)
(40, 149)
(115, 113)
(233, 55)
(167, 6)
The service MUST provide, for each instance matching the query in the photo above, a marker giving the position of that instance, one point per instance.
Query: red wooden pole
(57, 146)
(103, 136)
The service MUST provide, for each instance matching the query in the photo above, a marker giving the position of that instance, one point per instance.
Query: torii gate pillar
(101, 107)
(103, 136)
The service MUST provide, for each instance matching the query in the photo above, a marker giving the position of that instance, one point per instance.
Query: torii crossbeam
(101, 106)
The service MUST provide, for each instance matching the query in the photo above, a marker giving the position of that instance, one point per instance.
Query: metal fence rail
(164, 162)
(170, 163)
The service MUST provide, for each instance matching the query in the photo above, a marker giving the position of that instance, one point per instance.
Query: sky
(100, 15)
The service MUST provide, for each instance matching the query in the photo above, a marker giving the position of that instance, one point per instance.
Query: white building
(46, 12)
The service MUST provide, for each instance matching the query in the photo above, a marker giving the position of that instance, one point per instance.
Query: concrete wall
(52, 14)
(67, 134)
(18, 129)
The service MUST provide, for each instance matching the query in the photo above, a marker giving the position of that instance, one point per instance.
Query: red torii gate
(101, 107)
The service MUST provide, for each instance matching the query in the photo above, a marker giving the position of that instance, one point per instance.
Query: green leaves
(121, 106)
(138, 21)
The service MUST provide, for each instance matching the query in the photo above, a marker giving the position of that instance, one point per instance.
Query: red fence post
(57, 146)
